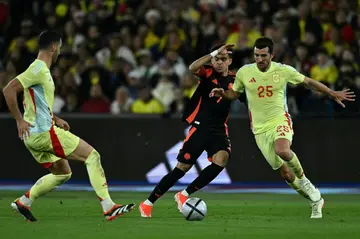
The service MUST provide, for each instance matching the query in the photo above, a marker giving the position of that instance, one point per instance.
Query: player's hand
(344, 95)
(225, 49)
(62, 124)
(217, 92)
(23, 129)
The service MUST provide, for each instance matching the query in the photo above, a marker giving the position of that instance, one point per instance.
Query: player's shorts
(199, 140)
(266, 142)
(51, 146)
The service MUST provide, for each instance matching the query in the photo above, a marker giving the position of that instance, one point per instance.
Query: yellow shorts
(266, 142)
(48, 147)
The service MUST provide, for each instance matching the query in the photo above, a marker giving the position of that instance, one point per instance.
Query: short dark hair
(264, 42)
(47, 38)
(302, 45)
(322, 51)
(217, 46)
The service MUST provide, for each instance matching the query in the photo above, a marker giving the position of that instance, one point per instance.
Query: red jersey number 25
(265, 91)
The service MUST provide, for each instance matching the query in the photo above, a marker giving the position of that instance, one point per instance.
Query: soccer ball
(194, 209)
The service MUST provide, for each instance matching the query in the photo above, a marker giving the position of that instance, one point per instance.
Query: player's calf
(167, 182)
(221, 158)
(282, 149)
(92, 160)
(209, 173)
(42, 186)
(287, 174)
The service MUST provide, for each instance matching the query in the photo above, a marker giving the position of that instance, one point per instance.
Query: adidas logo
(252, 80)
(160, 170)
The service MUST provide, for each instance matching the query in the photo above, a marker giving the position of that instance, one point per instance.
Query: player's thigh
(194, 145)
(71, 146)
(283, 136)
(82, 151)
(265, 143)
(64, 142)
(49, 150)
(219, 148)
(45, 159)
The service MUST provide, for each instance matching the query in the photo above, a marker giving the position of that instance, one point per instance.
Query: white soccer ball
(194, 209)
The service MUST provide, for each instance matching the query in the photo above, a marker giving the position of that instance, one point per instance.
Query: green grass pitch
(68, 215)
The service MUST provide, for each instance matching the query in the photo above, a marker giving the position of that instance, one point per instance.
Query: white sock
(107, 204)
(147, 202)
(25, 201)
(183, 192)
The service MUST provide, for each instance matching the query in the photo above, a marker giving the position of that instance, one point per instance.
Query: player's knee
(62, 178)
(283, 152)
(95, 154)
(221, 158)
(183, 166)
(94, 157)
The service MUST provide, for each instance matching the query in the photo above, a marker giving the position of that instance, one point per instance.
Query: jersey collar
(270, 68)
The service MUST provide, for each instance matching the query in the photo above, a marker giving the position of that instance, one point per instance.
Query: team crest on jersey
(276, 78)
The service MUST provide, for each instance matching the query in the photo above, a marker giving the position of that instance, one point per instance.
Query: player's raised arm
(338, 96)
(197, 65)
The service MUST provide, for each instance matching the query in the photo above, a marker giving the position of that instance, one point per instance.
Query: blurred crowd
(132, 56)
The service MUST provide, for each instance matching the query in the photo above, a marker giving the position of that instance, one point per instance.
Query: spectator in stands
(146, 104)
(123, 101)
(189, 86)
(246, 36)
(71, 37)
(146, 67)
(165, 93)
(132, 44)
(303, 23)
(324, 70)
(72, 103)
(97, 103)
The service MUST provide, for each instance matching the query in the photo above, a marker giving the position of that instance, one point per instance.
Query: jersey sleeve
(293, 76)
(205, 72)
(238, 84)
(32, 76)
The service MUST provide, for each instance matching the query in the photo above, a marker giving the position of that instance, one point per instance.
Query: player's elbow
(13, 88)
(193, 69)
(7, 91)
(308, 81)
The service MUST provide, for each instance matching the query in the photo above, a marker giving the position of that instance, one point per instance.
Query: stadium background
(122, 81)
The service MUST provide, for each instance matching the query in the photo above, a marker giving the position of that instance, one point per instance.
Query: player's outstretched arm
(11, 92)
(226, 94)
(197, 64)
(338, 96)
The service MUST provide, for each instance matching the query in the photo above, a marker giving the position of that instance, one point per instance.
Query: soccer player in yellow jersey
(265, 85)
(48, 138)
